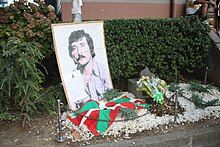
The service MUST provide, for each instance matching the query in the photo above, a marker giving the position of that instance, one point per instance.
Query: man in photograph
(81, 50)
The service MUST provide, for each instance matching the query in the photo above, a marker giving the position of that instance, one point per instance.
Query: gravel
(150, 121)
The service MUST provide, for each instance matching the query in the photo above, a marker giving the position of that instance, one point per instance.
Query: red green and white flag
(98, 116)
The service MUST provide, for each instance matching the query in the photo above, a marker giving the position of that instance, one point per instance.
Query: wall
(214, 60)
(112, 9)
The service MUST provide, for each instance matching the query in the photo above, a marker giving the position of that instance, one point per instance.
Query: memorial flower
(154, 87)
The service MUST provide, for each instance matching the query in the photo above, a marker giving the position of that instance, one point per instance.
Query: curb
(204, 137)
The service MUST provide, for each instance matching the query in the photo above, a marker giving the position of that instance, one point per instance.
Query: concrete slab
(132, 88)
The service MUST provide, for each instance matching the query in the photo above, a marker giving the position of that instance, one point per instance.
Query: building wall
(112, 9)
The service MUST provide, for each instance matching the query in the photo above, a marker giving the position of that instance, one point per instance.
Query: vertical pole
(59, 117)
(206, 73)
(176, 107)
(171, 8)
(59, 138)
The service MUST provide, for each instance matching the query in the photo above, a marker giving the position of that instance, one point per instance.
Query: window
(3, 3)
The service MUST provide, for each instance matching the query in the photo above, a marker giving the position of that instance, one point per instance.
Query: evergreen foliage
(110, 94)
(169, 47)
(199, 103)
(128, 114)
(174, 87)
(25, 40)
(196, 86)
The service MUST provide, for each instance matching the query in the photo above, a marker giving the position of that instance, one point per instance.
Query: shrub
(169, 47)
(25, 40)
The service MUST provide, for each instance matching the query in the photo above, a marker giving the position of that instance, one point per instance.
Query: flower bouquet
(154, 87)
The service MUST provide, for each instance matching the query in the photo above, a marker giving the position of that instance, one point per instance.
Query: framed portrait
(82, 61)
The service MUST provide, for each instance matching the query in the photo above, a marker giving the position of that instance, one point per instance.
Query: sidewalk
(205, 137)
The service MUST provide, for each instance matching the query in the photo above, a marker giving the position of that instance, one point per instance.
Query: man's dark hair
(75, 36)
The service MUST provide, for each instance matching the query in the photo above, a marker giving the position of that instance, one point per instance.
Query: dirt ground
(42, 132)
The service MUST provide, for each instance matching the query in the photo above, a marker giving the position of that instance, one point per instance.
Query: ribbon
(158, 97)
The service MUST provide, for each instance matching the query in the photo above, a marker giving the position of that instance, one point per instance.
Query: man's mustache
(80, 57)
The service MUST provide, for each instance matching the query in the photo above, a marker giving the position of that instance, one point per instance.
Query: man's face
(81, 52)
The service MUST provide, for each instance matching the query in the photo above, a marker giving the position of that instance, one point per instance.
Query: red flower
(27, 16)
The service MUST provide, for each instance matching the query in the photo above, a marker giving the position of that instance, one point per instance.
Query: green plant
(7, 116)
(195, 86)
(175, 88)
(199, 103)
(25, 40)
(110, 94)
(166, 46)
(128, 114)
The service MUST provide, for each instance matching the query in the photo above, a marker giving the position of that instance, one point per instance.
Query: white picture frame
(69, 58)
